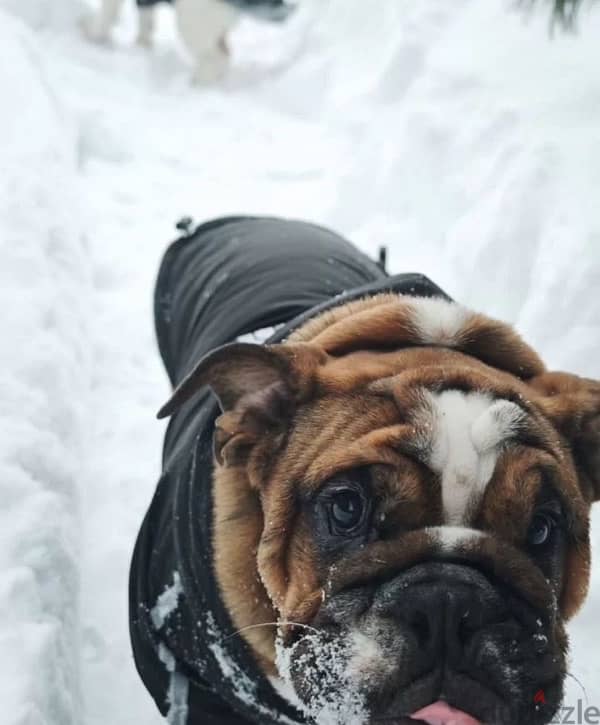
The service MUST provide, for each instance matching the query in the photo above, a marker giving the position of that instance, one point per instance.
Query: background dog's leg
(203, 25)
(145, 26)
(97, 26)
(224, 44)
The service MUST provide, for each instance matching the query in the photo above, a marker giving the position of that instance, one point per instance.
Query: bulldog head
(405, 489)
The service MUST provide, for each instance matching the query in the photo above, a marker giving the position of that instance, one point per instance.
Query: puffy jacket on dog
(229, 278)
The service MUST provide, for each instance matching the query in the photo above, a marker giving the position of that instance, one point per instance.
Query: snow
(329, 694)
(243, 686)
(462, 135)
(178, 689)
(43, 382)
(167, 602)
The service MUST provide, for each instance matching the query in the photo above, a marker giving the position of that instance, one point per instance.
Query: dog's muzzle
(437, 635)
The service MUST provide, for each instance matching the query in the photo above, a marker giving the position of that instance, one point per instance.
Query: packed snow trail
(459, 134)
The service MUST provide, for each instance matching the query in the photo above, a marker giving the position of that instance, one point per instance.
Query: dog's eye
(342, 509)
(540, 530)
(347, 509)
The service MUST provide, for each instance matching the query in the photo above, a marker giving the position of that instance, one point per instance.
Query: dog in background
(202, 24)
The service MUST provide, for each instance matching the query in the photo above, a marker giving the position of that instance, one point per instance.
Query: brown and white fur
(203, 26)
(457, 434)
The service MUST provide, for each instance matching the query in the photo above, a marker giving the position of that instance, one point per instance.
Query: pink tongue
(440, 713)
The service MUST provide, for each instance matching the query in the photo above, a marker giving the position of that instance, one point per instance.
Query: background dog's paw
(210, 69)
(144, 42)
(94, 30)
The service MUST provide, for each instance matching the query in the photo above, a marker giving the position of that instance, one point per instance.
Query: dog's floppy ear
(573, 405)
(232, 371)
(256, 386)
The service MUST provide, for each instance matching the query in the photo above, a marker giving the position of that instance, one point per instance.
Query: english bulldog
(203, 26)
(400, 495)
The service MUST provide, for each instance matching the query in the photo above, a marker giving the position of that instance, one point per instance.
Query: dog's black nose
(441, 607)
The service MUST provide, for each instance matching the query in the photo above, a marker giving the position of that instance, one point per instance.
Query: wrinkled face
(416, 519)
(428, 551)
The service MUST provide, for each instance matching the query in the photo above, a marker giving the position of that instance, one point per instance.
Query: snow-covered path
(461, 136)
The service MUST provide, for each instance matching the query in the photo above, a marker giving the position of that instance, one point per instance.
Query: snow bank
(42, 382)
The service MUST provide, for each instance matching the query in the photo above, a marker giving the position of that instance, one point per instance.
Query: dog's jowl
(393, 496)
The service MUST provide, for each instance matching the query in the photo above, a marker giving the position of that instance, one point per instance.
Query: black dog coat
(229, 278)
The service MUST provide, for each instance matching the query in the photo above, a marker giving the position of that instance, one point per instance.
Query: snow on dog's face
(406, 483)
